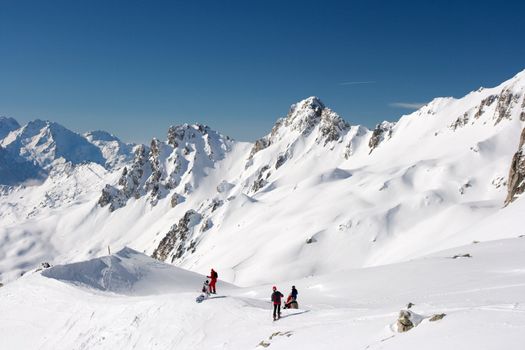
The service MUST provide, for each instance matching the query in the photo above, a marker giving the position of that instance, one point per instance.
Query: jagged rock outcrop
(303, 118)
(506, 100)
(516, 181)
(486, 102)
(381, 133)
(260, 181)
(128, 183)
(460, 122)
(153, 182)
(177, 241)
(188, 151)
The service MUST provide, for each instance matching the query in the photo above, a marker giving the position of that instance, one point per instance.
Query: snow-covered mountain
(314, 195)
(32, 151)
(315, 199)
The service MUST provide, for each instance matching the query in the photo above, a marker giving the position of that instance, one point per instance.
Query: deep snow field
(130, 301)
(362, 221)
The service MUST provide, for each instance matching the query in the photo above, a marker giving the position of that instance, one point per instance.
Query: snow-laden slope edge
(482, 298)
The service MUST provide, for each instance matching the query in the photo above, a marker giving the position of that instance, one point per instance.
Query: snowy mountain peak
(305, 118)
(43, 142)
(7, 125)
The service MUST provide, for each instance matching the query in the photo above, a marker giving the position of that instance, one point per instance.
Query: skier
(213, 276)
(276, 300)
(292, 297)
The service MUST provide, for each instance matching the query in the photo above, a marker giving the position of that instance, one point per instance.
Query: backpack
(215, 274)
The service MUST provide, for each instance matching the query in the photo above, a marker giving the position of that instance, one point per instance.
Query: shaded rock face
(15, 170)
(153, 184)
(128, 183)
(516, 181)
(7, 125)
(381, 132)
(260, 181)
(177, 240)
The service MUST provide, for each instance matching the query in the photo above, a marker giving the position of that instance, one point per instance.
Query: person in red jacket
(213, 280)
(276, 300)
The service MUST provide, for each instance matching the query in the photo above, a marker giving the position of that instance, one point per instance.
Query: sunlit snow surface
(153, 306)
(361, 232)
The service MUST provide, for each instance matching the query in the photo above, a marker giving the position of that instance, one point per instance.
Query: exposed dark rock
(461, 256)
(281, 159)
(460, 122)
(174, 244)
(153, 183)
(437, 317)
(404, 321)
(311, 240)
(506, 101)
(208, 223)
(176, 199)
(259, 145)
(381, 132)
(260, 182)
(129, 183)
(215, 204)
(516, 181)
(485, 102)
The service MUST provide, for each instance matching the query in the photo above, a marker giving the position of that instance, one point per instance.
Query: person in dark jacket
(294, 293)
(213, 280)
(276, 300)
(291, 298)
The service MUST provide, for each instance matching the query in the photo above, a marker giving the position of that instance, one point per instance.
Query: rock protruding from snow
(407, 320)
(128, 184)
(381, 133)
(177, 241)
(302, 119)
(171, 168)
(516, 181)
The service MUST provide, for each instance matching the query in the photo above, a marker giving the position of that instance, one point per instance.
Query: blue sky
(135, 67)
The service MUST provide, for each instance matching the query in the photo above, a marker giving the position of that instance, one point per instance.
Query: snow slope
(315, 195)
(75, 306)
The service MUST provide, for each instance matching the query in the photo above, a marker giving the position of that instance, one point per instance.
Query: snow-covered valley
(361, 221)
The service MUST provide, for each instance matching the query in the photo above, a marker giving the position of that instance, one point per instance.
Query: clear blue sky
(135, 67)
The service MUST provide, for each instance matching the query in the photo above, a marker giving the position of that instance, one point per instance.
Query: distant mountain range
(315, 195)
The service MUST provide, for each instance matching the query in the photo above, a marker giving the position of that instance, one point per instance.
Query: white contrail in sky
(357, 82)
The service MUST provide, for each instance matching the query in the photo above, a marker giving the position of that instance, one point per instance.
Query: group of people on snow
(276, 300)
(209, 287)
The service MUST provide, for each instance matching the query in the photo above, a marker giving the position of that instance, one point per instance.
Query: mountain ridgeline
(314, 186)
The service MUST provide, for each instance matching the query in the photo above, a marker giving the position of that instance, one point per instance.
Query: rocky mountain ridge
(314, 186)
